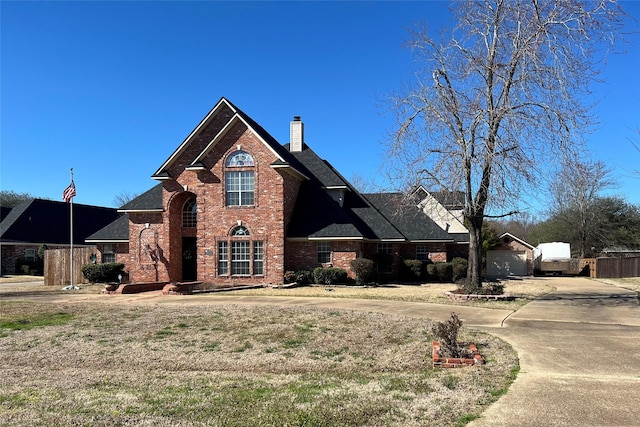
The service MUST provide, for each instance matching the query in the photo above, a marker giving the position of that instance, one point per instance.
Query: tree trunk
(474, 269)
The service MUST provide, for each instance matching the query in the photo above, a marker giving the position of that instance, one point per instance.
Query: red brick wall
(275, 195)
(342, 254)
(12, 253)
(139, 265)
(302, 255)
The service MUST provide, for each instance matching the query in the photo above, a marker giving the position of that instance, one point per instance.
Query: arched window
(240, 179)
(239, 159)
(240, 231)
(239, 255)
(190, 213)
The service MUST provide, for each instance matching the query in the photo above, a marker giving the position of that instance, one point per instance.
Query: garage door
(506, 263)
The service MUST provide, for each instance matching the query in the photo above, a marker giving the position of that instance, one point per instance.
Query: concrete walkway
(579, 348)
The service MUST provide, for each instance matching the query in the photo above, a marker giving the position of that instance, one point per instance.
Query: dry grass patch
(235, 366)
(523, 292)
(631, 283)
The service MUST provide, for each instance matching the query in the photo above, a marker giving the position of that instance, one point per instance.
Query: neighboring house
(513, 257)
(45, 222)
(235, 206)
(4, 211)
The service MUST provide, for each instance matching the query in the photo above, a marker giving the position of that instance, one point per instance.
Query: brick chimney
(297, 135)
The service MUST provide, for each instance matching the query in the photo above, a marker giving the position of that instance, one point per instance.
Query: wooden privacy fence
(57, 265)
(613, 268)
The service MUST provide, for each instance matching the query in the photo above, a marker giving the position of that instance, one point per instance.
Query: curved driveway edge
(579, 350)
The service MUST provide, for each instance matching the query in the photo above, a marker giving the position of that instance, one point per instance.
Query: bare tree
(123, 198)
(10, 199)
(362, 184)
(575, 193)
(500, 95)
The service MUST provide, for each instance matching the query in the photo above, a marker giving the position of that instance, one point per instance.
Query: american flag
(69, 192)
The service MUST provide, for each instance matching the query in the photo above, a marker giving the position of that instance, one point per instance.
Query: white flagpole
(71, 237)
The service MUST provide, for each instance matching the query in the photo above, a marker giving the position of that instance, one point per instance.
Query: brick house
(37, 222)
(233, 205)
(512, 257)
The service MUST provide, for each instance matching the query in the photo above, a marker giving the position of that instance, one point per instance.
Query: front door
(189, 259)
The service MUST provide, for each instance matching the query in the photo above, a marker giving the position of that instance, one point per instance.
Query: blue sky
(112, 88)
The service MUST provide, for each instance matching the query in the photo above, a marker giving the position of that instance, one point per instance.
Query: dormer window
(240, 179)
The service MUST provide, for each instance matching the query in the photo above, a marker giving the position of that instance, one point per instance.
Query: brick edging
(454, 362)
(453, 295)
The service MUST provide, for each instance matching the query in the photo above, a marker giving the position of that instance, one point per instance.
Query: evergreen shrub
(459, 268)
(102, 273)
(412, 269)
(329, 276)
(444, 270)
(364, 269)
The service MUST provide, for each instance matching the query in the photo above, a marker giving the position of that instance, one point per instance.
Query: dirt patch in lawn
(184, 365)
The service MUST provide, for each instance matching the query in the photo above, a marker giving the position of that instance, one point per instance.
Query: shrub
(465, 286)
(41, 251)
(447, 333)
(32, 268)
(412, 269)
(459, 268)
(383, 262)
(491, 289)
(301, 277)
(100, 273)
(432, 272)
(364, 269)
(444, 271)
(329, 276)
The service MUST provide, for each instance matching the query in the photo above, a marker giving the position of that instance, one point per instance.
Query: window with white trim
(223, 258)
(323, 249)
(239, 256)
(30, 254)
(258, 258)
(422, 252)
(108, 253)
(239, 179)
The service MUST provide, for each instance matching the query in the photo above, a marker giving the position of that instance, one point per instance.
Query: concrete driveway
(579, 350)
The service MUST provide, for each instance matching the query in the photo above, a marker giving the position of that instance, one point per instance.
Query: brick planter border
(501, 297)
(455, 362)
(134, 288)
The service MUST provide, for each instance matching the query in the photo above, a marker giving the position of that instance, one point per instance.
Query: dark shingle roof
(4, 212)
(320, 169)
(316, 213)
(48, 221)
(149, 200)
(410, 220)
(377, 216)
(450, 199)
(118, 230)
